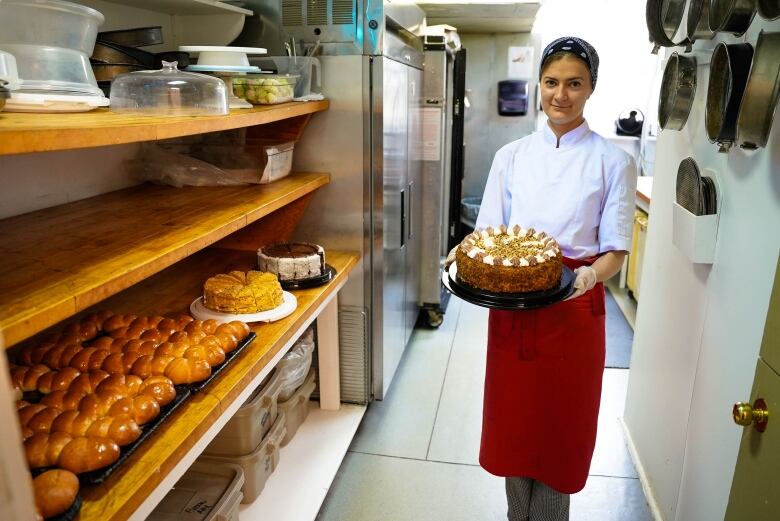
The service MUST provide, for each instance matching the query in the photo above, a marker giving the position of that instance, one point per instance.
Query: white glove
(585, 281)
(450, 258)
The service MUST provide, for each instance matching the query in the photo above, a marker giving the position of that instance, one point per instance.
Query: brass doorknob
(744, 414)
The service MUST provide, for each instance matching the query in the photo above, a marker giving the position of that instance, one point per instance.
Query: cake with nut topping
(509, 260)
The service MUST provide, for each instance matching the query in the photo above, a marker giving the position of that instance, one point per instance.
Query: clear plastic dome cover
(169, 92)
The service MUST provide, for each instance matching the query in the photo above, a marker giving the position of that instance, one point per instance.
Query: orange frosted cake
(242, 292)
(509, 260)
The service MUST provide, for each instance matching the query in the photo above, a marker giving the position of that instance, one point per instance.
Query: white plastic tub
(245, 430)
(52, 41)
(260, 464)
(206, 492)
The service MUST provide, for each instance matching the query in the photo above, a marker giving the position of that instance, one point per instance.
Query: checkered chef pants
(532, 500)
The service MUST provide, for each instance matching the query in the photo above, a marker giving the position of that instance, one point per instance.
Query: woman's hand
(605, 267)
(450, 258)
(585, 281)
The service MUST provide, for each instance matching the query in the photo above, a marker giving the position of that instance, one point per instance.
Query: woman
(544, 367)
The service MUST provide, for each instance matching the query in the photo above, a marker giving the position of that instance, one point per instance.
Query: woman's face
(565, 87)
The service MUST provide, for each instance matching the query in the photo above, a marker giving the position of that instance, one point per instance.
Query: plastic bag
(294, 366)
(162, 165)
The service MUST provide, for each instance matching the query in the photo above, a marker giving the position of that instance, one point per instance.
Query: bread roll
(142, 408)
(228, 341)
(98, 404)
(241, 329)
(87, 454)
(52, 357)
(159, 363)
(148, 348)
(35, 451)
(113, 364)
(26, 378)
(64, 422)
(68, 353)
(28, 411)
(187, 371)
(87, 382)
(160, 388)
(166, 348)
(57, 380)
(122, 429)
(96, 360)
(64, 400)
(42, 421)
(55, 491)
(87, 331)
(120, 384)
(103, 342)
(152, 335)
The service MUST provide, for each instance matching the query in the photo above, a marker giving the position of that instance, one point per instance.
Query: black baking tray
(96, 477)
(312, 282)
(215, 371)
(509, 301)
(70, 513)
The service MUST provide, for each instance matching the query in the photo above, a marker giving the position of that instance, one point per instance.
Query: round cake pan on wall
(698, 26)
(678, 90)
(769, 9)
(663, 18)
(761, 93)
(732, 16)
(729, 70)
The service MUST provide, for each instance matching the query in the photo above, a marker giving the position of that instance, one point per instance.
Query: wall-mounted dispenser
(512, 98)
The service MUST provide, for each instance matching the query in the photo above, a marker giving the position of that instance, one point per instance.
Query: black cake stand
(509, 301)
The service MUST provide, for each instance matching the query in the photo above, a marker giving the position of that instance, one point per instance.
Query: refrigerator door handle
(403, 219)
(410, 219)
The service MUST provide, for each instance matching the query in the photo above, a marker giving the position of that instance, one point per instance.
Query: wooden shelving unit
(61, 260)
(23, 133)
(147, 250)
(170, 292)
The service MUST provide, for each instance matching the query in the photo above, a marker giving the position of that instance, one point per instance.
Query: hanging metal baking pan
(732, 16)
(698, 23)
(729, 70)
(769, 9)
(139, 37)
(689, 191)
(678, 89)
(663, 19)
(710, 193)
(761, 93)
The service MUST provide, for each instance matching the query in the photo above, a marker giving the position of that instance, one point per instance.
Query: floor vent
(354, 360)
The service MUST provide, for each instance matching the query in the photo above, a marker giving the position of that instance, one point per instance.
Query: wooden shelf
(185, 6)
(61, 260)
(22, 133)
(149, 470)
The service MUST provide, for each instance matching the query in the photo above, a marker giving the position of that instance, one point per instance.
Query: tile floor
(415, 455)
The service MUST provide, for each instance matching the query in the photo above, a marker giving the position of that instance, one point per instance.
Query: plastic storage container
(265, 89)
(246, 429)
(51, 41)
(469, 208)
(169, 92)
(260, 464)
(274, 157)
(206, 492)
(295, 365)
(296, 409)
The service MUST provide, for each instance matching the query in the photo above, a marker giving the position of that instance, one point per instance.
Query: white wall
(616, 28)
(699, 327)
(485, 130)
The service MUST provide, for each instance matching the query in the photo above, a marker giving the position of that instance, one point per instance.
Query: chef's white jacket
(581, 191)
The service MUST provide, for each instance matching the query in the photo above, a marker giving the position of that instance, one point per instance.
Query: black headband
(579, 48)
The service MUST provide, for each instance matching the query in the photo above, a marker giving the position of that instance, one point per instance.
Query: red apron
(542, 390)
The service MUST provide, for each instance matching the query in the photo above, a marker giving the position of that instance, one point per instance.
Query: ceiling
(488, 16)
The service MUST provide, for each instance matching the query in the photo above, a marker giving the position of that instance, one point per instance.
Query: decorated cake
(292, 261)
(242, 292)
(509, 260)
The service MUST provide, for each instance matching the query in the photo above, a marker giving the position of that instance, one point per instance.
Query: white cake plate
(289, 305)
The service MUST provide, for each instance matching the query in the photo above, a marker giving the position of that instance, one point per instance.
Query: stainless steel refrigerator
(372, 62)
(443, 112)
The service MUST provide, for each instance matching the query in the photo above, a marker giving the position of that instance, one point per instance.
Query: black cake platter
(509, 301)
